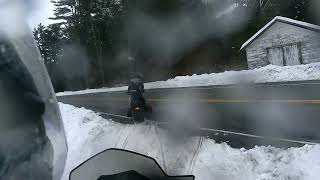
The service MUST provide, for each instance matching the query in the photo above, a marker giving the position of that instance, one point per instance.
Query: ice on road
(270, 73)
(89, 134)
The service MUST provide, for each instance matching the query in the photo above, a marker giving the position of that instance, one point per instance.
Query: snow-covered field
(88, 134)
(269, 73)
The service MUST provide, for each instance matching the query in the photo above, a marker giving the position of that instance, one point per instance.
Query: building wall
(281, 34)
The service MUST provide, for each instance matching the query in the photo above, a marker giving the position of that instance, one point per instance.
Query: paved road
(287, 110)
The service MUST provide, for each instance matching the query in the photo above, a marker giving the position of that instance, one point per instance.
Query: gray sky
(41, 11)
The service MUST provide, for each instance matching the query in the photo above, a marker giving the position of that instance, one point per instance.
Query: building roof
(284, 20)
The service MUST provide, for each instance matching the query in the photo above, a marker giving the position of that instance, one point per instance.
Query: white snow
(270, 73)
(88, 134)
(283, 19)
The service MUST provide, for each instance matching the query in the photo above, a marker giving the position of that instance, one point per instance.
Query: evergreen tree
(299, 9)
(158, 33)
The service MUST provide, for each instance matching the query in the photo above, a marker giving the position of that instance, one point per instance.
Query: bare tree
(263, 5)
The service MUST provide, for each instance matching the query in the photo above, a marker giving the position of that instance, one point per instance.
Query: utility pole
(132, 64)
(131, 60)
(98, 49)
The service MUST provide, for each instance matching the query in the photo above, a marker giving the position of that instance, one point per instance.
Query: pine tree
(299, 9)
(38, 34)
(93, 24)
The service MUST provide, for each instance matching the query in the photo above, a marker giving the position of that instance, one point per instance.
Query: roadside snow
(89, 134)
(270, 73)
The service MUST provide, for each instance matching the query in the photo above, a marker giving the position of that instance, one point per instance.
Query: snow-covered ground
(88, 134)
(269, 73)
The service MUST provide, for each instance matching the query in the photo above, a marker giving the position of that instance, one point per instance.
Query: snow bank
(270, 73)
(88, 134)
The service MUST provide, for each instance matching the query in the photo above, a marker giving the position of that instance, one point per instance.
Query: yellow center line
(304, 101)
(217, 101)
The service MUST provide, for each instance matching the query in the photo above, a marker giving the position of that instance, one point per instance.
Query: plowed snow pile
(88, 134)
(269, 73)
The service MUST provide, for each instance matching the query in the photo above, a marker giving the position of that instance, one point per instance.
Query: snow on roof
(281, 19)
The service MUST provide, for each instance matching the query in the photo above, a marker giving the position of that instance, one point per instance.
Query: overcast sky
(41, 11)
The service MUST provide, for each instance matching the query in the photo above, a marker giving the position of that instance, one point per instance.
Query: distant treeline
(96, 43)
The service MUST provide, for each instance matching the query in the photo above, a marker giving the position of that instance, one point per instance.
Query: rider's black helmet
(137, 75)
(32, 137)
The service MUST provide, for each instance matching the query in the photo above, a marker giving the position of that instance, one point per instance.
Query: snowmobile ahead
(137, 103)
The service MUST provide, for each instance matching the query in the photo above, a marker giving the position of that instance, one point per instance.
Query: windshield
(223, 89)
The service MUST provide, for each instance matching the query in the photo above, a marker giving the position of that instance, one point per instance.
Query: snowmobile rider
(136, 90)
(136, 83)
